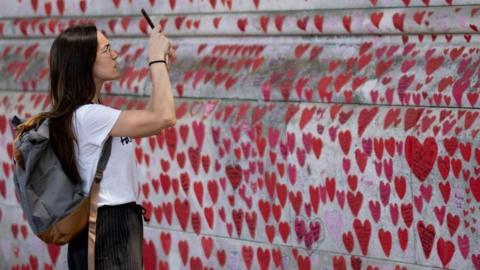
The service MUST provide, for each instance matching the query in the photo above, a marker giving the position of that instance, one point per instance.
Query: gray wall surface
(311, 134)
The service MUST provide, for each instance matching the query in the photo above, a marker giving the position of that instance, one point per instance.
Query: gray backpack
(56, 209)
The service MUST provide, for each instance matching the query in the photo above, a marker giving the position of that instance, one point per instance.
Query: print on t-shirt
(125, 140)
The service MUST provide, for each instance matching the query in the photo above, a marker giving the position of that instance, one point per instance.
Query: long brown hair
(72, 56)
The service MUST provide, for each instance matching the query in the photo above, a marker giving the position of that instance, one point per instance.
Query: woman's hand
(158, 45)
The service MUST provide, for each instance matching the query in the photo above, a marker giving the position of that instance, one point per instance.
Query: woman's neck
(98, 88)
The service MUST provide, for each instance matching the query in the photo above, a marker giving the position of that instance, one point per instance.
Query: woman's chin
(117, 76)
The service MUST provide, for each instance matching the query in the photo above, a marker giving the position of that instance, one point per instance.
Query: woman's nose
(114, 55)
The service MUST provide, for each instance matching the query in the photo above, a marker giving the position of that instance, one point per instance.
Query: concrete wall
(310, 135)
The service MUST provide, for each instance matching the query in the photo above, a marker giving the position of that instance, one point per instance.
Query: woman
(81, 60)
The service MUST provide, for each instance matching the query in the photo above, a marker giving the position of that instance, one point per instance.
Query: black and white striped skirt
(119, 240)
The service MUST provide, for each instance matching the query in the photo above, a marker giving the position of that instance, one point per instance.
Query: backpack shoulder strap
(102, 163)
(95, 189)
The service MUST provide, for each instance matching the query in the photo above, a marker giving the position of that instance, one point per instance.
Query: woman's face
(105, 67)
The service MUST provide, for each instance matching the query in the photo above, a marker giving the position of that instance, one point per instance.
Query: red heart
(213, 190)
(400, 186)
(476, 261)
(263, 257)
(172, 3)
(453, 221)
(330, 184)
(83, 6)
(392, 118)
(355, 201)
(251, 220)
(61, 6)
(347, 22)
(194, 157)
(234, 174)
(284, 229)
(242, 24)
(356, 263)
(166, 242)
(407, 213)
(198, 189)
(146, 190)
(420, 157)
(339, 263)
(433, 64)
(302, 23)
(341, 80)
(14, 228)
(279, 22)
(445, 250)
(398, 20)
(168, 210)
(352, 181)
(303, 262)
(34, 4)
(171, 141)
(265, 208)
(185, 182)
(277, 257)
(375, 210)
(149, 254)
(264, 23)
(196, 263)
(3, 188)
(179, 21)
(247, 254)
(196, 222)
(385, 238)
(237, 216)
(445, 191)
(427, 237)
(347, 239)
(459, 87)
(403, 238)
(295, 200)
(270, 232)
(221, 257)
(365, 118)
(182, 211)
(464, 245)
(216, 22)
(378, 147)
(456, 167)
(345, 139)
(209, 216)
(444, 166)
(318, 21)
(384, 192)
(466, 151)
(53, 251)
(475, 187)
(183, 247)
(300, 49)
(383, 67)
(116, 3)
(363, 232)
(33, 262)
(282, 193)
(361, 159)
(376, 18)
(48, 8)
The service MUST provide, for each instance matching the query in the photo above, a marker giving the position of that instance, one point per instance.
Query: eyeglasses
(107, 50)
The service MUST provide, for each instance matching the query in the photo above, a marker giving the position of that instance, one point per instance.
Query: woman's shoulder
(92, 106)
(93, 110)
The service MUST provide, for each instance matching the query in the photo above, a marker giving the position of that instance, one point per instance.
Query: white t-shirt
(92, 123)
